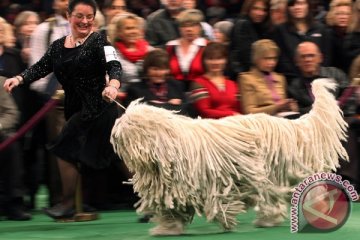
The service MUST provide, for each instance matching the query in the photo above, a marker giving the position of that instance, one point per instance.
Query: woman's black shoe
(59, 212)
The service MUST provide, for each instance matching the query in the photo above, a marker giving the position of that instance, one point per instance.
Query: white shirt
(186, 59)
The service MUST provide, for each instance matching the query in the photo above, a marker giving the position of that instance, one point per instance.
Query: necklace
(78, 42)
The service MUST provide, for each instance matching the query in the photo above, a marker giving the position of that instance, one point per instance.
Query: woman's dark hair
(214, 50)
(74, 3)
(248, 5)
(309, 17)
(156, 58)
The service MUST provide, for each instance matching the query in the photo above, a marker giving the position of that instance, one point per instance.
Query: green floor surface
(123, 225)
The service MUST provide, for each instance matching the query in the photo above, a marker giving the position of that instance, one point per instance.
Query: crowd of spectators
(216, 59)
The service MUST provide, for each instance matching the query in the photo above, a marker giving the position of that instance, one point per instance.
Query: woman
(263, 90)
(157, 88)
(250, 27)
(300, 27)
(338, 18)
(214, 95)
(125, 35)
(278, 11)
(222, 32)
(352, 39)
(25, 24)
(80, 62)
(185, 52)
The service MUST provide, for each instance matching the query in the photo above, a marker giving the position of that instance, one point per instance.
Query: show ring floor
(123, 225)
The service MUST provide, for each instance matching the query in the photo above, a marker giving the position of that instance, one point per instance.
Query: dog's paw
(170, 229)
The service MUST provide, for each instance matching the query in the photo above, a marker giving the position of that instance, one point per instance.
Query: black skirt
(87, 142)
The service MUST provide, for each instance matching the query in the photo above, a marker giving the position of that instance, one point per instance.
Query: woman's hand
(111, 90)
(110, 93)
(11, 83)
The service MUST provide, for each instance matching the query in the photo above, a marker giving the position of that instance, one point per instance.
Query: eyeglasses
(80, 17)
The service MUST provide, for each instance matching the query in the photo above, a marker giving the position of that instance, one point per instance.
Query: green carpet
(122, 225)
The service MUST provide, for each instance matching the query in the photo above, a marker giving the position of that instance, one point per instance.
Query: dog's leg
(226, 217)
(170, 223)
(271, 213)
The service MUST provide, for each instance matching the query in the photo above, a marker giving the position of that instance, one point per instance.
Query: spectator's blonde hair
(275, 4)
(118, 22)
(8, 35)
(21, 18)
(261, 47)
(190, 16)
(332, 11)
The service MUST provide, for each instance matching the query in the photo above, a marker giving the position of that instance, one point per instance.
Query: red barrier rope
(29, 124)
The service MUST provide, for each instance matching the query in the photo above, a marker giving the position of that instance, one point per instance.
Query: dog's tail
(295, 149)
(323, 129)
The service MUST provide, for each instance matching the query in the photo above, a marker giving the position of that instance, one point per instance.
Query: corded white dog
(219, 168)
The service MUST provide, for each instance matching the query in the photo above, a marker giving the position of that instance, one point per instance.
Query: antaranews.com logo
(321, 203)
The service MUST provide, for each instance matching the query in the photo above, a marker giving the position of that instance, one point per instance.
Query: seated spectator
(11, 199)
(208, 31)
(8, 34)
(162, 25)
(250, 27)
(262, 89)
(125, 34)
(157, 88)
(352, 39)
(308, 59)
(185, 52)
(222, 32)
(338, 18)
(300, 27)
(111, 8)
(25, 24)
(278, 11)
(214, 95)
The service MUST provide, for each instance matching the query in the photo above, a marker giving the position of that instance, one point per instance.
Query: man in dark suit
(308, 59)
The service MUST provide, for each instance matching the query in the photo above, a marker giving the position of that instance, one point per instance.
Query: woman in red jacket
(185, 52)
(213, 94)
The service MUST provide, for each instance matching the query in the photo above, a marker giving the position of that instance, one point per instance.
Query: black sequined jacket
(84, 83)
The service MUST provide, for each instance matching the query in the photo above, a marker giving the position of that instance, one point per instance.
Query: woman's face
(129, 31)
(342, 16)
(215, 65)
(219, 36)
(190, 31)
(157, 74)
(29, 25)
(299, 10)
(267, 62)
(81, 20)
(258, 12)
(117, 7)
